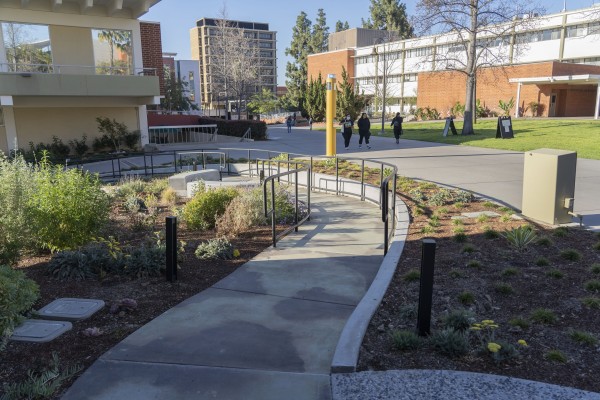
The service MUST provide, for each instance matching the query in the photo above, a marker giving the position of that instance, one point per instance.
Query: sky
(177, 17)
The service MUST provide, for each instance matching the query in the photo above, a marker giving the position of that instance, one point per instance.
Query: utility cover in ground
(71, 309)
(39, 330)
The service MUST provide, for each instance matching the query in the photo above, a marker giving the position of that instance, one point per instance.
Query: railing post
(309, 187)
(175, 160)
(273, 212)
(362, 181)
(426, 287)
(337, 177)
(145, 166)
(171, 251)
(296, 194)
(249, 164)
(119, 166)
(152, 164)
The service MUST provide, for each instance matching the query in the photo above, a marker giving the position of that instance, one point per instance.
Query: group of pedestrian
(364, 129)
(290, 121)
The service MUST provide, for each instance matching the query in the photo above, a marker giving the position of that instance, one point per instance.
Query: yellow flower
(492, 326)
(487, 321)
(493, 347)
(522, 343)
(475, 328)
(236, 253)
(477, 325)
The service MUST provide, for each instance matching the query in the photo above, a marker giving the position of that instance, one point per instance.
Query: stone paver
(68, 309)
(39, 330)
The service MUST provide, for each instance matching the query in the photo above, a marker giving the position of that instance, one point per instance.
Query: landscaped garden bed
(510, 297)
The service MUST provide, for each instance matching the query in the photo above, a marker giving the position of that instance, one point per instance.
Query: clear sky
(177, 17)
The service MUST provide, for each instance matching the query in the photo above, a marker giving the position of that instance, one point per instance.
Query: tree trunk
(471, 70)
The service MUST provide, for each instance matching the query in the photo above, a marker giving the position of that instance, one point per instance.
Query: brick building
(152, 54)
(555, 64)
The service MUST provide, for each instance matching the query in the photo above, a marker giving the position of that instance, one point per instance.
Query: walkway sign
(504, 129)
(449, 126)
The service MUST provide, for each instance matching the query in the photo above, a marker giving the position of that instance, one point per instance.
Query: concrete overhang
(586, 79)
(107, 8)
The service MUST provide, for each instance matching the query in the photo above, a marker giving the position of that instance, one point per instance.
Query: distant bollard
(195, 166)
(261, 175)
(426, 287)
(171, 242)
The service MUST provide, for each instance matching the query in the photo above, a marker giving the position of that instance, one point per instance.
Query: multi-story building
(554, 62)
(186, 71)
(64, 63)
(203, 36)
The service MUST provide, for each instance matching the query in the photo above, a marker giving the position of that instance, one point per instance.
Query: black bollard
(171, 242)
(426, 287)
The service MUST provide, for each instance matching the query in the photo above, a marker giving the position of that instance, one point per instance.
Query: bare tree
(386, 73)
(483, 31)
(234, 62)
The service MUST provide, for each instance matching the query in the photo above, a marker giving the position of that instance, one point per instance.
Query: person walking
(310, 122)
(397, 124)
(288, 122)
(347, 125)
(364, 130)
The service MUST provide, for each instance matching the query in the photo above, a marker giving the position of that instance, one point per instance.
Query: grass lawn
(582, 136)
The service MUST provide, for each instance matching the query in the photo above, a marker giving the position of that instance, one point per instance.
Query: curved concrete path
(267, 331)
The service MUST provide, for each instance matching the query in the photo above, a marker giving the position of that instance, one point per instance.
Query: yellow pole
(330, 115)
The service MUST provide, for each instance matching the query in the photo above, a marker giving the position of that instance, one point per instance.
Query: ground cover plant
(523, 303)
(122, 263)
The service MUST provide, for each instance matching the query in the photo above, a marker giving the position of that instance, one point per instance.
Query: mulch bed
(153, 295)
(533, 286)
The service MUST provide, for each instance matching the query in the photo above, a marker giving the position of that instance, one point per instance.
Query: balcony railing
(75, 69)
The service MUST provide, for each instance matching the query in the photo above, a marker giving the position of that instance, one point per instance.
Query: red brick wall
(152, 50)
(331, 63)
(441, 90)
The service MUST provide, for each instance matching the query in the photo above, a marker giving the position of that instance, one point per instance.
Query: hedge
(237, 128)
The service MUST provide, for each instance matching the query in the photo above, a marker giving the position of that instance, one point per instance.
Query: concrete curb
(346, 353)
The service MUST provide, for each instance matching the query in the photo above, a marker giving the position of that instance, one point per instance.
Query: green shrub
(455, 273)
(169, 196)
(427, 229)
(490, 233)
(215, 249)
(205, 207)
(16, 186)
(440, 198)
(556, 356)
(412, 275)
(237, 128)
(17, 296)
(466, 298)
(417, 195)
(489, 204)
(68, 208)
(434, 222)
(460, 237)
(115, 135)
(458, 229)
(591, 302)
(442, 211)
(543, 241)
(474, 264)
(571, 255)
(555, 273)
(459, 205)
(504, 288)
(462, 196)
(595, 269)
(157, 186)
(458, 320)
(457, 222)
(520, 322)
(520, 237)
(596, 246)
(507, 351)
(483, 218)
(79, 146)
(467, 248)
(542, 262)
(130, 186)
(543, 316)
(450, 342)
(561, 231)
(144, 261)
(244, 212)
(593, 285)
(405, 340)
(510, 271)
(582, 337)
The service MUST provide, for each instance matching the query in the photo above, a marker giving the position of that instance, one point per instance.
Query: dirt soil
(153, 295)
(558, 286)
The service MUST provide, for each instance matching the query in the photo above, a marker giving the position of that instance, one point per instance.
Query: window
(576, 31)
(410, 77)
(266, 71)
(27, 47)
(539, 36)
(266, 53)
(268, 36)
(112, 52)
(265, 45)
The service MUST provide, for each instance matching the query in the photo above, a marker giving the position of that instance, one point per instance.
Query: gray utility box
(549, 185)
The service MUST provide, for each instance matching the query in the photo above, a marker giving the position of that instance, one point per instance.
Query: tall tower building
(204, 34)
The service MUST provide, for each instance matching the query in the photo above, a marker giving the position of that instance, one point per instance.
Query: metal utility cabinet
(549, 185)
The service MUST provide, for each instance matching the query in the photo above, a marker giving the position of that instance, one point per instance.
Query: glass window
(27, 47)
(265, 36)
(266, 53)
(576, 30)
(266, 45)
(112, 52)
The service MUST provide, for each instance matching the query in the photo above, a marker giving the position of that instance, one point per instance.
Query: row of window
(583, 30)
(249, 35)
(371, 80)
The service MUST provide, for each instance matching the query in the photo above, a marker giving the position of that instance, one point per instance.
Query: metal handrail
(387, 207)
(247, 135)
(272, 212)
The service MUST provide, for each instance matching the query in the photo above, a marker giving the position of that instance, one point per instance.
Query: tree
(482, 29)
(176, 98)
(320, 33)
(21, 54)
(263, 102)
(316, 99)
(341, 26)
(389, 15)
(119, 39)
(296, 72)
(234, 62)
(347, 100)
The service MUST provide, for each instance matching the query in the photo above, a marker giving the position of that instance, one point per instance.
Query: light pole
(384, 76)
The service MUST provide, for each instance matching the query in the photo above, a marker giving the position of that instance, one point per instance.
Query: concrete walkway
(268, 331)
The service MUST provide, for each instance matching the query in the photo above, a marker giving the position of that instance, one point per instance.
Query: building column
(3, 57)
(518, 99)
(597, 112)
(10, 124)
(142, 115)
